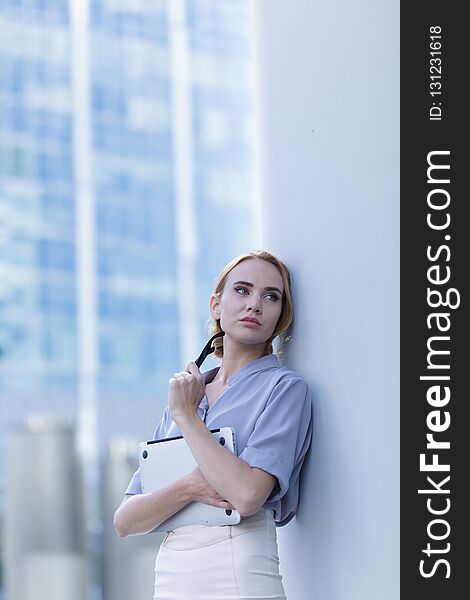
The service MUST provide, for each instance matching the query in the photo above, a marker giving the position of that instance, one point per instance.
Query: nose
(255, 303)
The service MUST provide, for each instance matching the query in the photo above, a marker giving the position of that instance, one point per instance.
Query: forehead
(258, 272)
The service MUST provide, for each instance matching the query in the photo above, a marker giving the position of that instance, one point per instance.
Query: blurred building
(128, 563)
(44, 544)
(127, 181)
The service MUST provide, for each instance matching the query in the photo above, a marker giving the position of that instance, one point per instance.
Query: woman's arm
(246, 488)
(141, 513)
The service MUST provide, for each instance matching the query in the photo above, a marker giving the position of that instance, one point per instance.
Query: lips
(251, 320)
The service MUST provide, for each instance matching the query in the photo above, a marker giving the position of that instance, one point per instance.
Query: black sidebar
(435, 357)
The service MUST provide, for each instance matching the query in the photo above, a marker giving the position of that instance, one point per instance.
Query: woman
(269, 406)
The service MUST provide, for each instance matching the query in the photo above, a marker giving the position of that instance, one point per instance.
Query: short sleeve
(282, 433)
(135, 485)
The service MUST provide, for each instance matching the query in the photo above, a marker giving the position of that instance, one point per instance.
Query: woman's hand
(201, 491)
(186, 390)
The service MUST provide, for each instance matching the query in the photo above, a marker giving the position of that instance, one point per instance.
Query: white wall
(331, 211)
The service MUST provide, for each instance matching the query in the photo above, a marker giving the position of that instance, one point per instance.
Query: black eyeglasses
(208, 349)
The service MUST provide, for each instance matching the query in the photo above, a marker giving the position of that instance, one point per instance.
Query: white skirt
(233, 562)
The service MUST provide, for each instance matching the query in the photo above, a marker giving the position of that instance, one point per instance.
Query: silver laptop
(163, 461)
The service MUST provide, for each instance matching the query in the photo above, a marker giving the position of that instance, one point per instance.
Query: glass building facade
(127, 181)
(38, 343)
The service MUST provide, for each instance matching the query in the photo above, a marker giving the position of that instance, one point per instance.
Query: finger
(182, 375)
(223, 502)
(220, 503)
(193, 369)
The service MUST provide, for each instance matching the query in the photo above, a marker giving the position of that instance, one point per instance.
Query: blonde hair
(287, 311)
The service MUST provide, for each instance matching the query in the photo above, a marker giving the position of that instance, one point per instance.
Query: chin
(244, 335)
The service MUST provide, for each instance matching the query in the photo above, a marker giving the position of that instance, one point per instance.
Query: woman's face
(252, 289)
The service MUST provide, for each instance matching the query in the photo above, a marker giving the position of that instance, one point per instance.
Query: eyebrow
(268, 289)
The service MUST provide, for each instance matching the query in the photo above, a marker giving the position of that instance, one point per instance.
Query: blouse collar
(253, 366)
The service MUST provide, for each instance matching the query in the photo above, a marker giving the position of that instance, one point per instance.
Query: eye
(237, 289)
(274, 297)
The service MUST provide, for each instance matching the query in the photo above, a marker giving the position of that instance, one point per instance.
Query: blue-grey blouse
(270, 408)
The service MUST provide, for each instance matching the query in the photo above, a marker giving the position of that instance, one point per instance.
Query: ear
(215, 306)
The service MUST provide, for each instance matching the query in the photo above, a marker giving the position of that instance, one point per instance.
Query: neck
(236, 357)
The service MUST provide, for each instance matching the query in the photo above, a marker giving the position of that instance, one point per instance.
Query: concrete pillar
(128, 562)
(328, 113)
(53, 576)
(42, 504)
